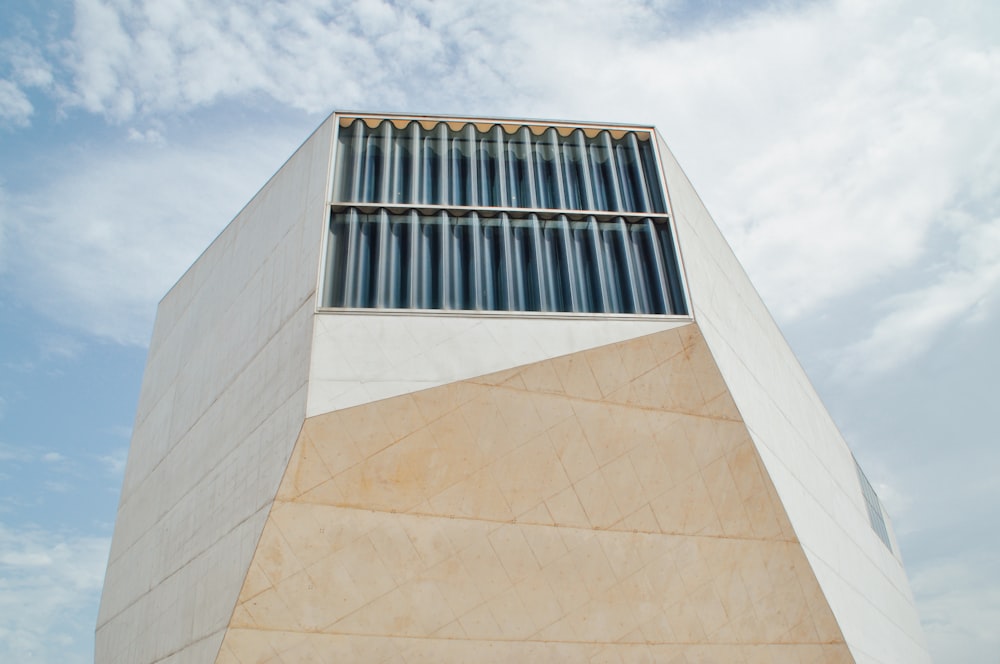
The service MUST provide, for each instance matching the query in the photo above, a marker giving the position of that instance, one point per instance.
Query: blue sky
(847, 149)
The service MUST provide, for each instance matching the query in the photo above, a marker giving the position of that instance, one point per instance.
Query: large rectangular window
(475, 216)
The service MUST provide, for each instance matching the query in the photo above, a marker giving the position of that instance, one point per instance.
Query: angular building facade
(453, 390)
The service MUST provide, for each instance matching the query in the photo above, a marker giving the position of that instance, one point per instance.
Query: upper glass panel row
(456, 164)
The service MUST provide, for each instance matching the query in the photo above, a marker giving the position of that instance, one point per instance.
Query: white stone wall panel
(358, 358)
(222, 402)
(810, 464)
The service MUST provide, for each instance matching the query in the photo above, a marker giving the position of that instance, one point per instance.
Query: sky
(847, 149)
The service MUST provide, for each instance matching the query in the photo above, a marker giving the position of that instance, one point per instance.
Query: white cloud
(828, 139)
(25, 68)
(153, 136)
(99, 241)
(164, 56)
(59, 346)
(15, 107)
(115, 461)
(53, 457)
(49, 585)
(14, 453)
(959, 609)
(27, 64)
(966, 283)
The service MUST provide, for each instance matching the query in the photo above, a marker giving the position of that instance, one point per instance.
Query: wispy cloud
(49, 585)
(14, 453)
(22, 67)
(859, 124)
(102, 238)
(960, 612)
(839, 144)
(26, 64)
(115, 462)
(961, 288)
(15, 107)
(60, 346)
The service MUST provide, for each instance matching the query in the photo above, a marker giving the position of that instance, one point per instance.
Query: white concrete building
(457, 389)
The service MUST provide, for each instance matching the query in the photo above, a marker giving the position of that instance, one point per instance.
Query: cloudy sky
(848, 150)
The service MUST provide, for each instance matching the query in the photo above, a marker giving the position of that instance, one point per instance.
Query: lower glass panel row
(441, 261)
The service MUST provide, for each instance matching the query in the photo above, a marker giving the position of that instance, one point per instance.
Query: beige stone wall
(602, 506)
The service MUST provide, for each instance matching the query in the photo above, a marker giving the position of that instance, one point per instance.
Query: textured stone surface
(607, 505)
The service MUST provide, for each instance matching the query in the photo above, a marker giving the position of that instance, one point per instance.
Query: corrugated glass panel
(473, 165)
(436, 214)
(500, 263)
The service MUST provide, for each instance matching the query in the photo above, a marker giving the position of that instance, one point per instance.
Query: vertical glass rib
(515, 171)
(382, 261)
(573, 299)
(512, 301)
(495, 295)
(582, 274)
(457, 184)
(486, 161)
(613, 268)
(585, 175)
(416, 193)
(337, 268)
(631, 301)
(623, 177)
(652, 177)
(531, 192)
(429, 259)
(366, 241)
(543, 266)
(503, 195)
(352, 266)
(640, 184)
(641, 259)
(573, 197)
(555, 262)
(400, 272)
(596, 174)
(369, 170)
(478, 267)
(520, 265)
(413, 300)
(661, 267)
(388, 159)
(560, 200)
(602, 298)
(442, 191)
(677, 302)
(358, 162)
(469, 157)
(615, 197)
